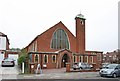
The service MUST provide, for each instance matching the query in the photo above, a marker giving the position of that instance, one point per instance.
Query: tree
(15, 49)
(23, 57)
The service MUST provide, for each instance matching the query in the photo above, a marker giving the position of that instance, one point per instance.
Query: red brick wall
(80, 36)
(7, 47)
(50, 64)
(60, 56)
(96, 54)
(77, 44)
(44, 40)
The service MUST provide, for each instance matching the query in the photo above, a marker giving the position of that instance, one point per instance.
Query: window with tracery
(60, 40)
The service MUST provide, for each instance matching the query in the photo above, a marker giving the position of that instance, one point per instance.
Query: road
(62, 80)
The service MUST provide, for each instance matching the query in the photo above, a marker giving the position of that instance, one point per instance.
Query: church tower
(80, 33)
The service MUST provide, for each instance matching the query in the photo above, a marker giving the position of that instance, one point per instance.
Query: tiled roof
(2, 33)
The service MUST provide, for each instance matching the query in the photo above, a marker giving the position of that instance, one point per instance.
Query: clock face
(82, 22)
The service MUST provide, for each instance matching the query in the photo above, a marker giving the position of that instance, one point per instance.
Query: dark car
(111, 70)
(8, 62)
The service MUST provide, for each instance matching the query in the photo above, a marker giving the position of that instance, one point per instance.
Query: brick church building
(57, 46)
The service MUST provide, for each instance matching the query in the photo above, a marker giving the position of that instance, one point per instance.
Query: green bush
(23, 57)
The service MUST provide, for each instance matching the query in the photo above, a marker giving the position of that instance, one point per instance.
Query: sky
(23, 20)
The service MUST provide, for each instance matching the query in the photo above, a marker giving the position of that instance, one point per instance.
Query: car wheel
(2, 65)
(101, 75)
(74, 68)
(114, 75)
(80, 68)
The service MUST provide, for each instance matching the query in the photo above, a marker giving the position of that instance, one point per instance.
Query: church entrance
(65, 59)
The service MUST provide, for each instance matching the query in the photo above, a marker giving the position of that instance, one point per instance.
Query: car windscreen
(8, 59)
(111, 66)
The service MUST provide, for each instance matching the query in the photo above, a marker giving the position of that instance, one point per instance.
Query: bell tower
(80, 33)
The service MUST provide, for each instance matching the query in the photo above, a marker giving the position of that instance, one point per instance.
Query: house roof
(3, 35)
(85, 54)
(94, 51)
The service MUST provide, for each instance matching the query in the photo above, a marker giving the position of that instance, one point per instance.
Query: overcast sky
(23, 20)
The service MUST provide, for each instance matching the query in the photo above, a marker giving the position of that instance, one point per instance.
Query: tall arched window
(86, 59)
(36, 58)
(30, 57)
(53, 58)
(91, 59)
(45, 58)
(59, 40)
(74, 59)
(81, 58)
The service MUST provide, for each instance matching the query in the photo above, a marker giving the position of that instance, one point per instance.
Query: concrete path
(8, 72)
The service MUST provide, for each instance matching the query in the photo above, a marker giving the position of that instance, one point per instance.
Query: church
(57, 46)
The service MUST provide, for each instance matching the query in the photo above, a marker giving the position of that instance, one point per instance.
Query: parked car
(104, 65)
(89, 66)
(8, 62)
(111, 70)
(81, 65)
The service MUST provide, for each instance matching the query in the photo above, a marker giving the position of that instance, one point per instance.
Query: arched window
(91, 59)
(36, 58)
(30, 57)
(81, 58)
(45, 58)
(54, 58)
(74, 59)
(86, 59)
(59, 40)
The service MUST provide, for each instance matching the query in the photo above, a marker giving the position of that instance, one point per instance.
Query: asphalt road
(62, 80)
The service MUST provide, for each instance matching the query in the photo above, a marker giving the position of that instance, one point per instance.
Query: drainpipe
(41, 61)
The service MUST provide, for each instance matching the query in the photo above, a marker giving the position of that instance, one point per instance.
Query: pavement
(9, 72)
(62, 74)
(13, 73)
